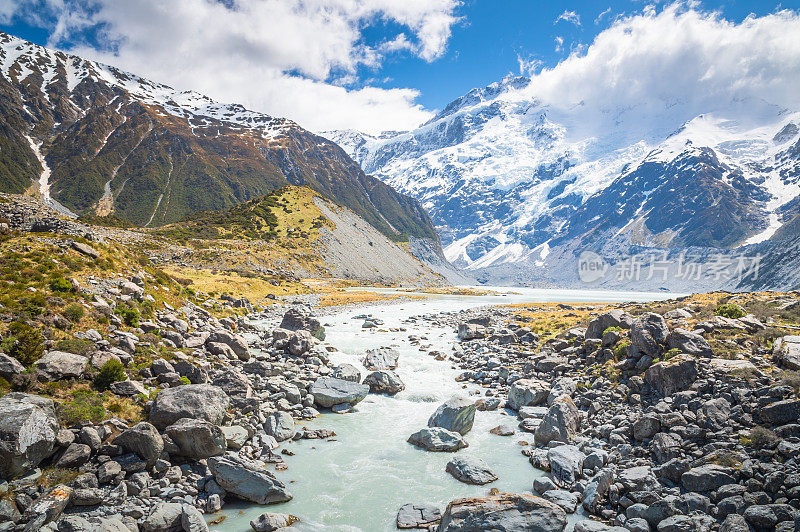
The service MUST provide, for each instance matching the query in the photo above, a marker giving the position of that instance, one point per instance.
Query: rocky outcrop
(196, 401)
(28, 429)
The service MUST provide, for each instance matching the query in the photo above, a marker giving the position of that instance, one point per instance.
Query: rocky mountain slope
(518, 189)
(89, 138)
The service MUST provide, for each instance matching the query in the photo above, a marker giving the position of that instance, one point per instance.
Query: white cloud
(669, 66)
(601, 16)
(569, 16)
(253, 51)
(559, 44)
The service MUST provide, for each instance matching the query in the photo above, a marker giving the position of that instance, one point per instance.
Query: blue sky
(374, 64)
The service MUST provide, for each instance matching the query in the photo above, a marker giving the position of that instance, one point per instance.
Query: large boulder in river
(381, 358)
(503, 512)
(456, 414)
(648, 333)
(527, 392)
(196, 401)
(329, 392)
(417, 516)
(28, 429)
(57, 365)
(346, 372)
(300, 319)
(247, 481)
(561, 423)
(197, 438)
(234, 341)
(673, 375)
(613, 318)
(786, 351)
(437, 440)
(384, 382)
(470, 470)
(143, 440)
(270, 522)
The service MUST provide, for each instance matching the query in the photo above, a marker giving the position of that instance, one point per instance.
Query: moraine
(359, 480)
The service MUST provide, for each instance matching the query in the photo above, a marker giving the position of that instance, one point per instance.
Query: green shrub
(74, 312)
(75, 345)
(59, 284)
(185, 380)
(129, 315)
(111, 371)
(730, 310)
(621, 351)
(26, 343)
(613, 329)
(83, 406)
(671, 353)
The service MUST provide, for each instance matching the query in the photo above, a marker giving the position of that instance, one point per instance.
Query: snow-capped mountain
(518, 189)
(92, 139)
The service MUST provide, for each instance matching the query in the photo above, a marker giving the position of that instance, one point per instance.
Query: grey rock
(247, 482)
(296, 319)
(596, 489)
(470, 470)
(504, 511)
(384, 381)
(567, 500)
(417, 516)
(164, 517)
(734, 523)
(197, 438)
(646, 427)
(280, 425)
(346, 372)
(10, 367)
(689, 342)
(269, 522)
(57, 365)
(234, 341)
(329, 391)
(527, 392)
(74, 456)
(566, 464)
(470, 331)
(196, 401)
(707, 477)
(381, 358)
(614, 318)
(128, 388)
(235, 436)
(781, 412)
(437, 439)
(87, 496)
(561, 423)
(674, 375)
(143, 440)
(457, 414)
(787, 351)
(300, 343)
(28, 429)
(648, 333)
(47, 508)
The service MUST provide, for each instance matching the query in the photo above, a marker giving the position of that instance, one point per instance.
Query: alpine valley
(519, 189)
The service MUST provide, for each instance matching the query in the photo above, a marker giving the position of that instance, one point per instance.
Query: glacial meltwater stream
(358, 480)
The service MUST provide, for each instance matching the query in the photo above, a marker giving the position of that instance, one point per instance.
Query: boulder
(47, 508)
(438, 440)
(596, 489)
(457, 414)
(57, 365)
(143, 440)
(381, 358)
(128, 388)
(561, 423)
(503, 512)
(470, 470)
(527, 392)
(269, 522)
(329, 391)
(707, 477)
(9, 367)
(74, 456)
(677, 314)
(197, 438)
(646, 427)
(470, 331)
(280, 425)
(163, 517)
(196, 401)
(28, 429)
(689, 342)
(566, 464)
(781, 412)
(566, 500)
(247, 481)
(384, 381)
(673, 375)
(297, 319)
(300, 343)
(786, 351)
(234, 341)
(613, 318)
(417, 516)
(346, 372)
(648, 333)
(235, 436)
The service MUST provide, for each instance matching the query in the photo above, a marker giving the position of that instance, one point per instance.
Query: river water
(358, 481)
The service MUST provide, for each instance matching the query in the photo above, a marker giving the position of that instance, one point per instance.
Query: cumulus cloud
(253, 51)
(661, 68)
(569, 16)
